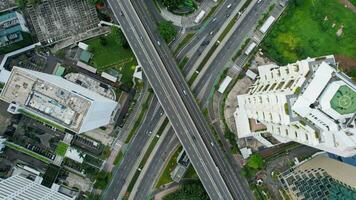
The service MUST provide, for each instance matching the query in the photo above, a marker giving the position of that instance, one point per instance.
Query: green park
(312, 28)
(112, 51)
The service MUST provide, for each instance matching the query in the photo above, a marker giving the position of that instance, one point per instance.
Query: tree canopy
(255, 161)
(172, 4)
(167, 30)
(189, 191)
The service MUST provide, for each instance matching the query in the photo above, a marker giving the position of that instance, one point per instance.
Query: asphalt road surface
(120, 176)
(238, 185)
(247, 25)
(173, 97)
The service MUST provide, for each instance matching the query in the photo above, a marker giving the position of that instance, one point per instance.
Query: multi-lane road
(243, 31)
(173, 94)
(237, 184)
(247, 25)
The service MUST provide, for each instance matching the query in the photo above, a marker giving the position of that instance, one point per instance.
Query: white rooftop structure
(29, 188)
(83, 46)
(267, 24)
(309, 102)
(224, 84)
(75, 155)
(245, 152)
(57, 101)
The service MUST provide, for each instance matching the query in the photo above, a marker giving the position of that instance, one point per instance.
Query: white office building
(310, 102)
(56, 101)
(29, 188)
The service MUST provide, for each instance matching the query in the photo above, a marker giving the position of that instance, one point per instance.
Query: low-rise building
(310, 102)
(183, 163)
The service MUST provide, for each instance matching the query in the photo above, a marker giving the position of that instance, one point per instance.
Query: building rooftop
(85, 56)
(29, 188)
(45, 99)
(49, 97)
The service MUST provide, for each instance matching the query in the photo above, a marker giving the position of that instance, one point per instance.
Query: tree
(93, 2)
(172, 4)
(102, 180)
(103, 41)
(255, 161)
(120, 37)
(34, 2)
(191, 191)
(167, 30)
(21, 3)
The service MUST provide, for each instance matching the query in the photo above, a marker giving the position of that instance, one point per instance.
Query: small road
(156, 165)
(121, 174)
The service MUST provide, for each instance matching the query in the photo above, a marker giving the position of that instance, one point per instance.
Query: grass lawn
(308, 29)
(61, 148)
(190, 173)
(184, 42)
(166, 175)
(112, 56)
(28, 152)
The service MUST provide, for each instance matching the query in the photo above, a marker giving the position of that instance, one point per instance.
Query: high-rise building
(56, 101)
(29, 187)
(320, 177)
(310, 102)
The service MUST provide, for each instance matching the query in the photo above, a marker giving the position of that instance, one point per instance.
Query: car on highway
(184, 92)
(228, 6)
(214, 19)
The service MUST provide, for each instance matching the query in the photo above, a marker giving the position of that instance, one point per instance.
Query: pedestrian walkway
(68, 138)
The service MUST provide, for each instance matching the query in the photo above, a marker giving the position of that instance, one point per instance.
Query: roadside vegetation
(28, 152)
(311, 28)
(191, 191)
(254, 164)
(23, 3)
(61, 148)
(167, 30)
(172, 163)
(184, 42)
(180, 6)
(112, 51)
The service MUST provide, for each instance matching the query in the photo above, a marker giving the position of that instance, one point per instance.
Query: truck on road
(199, 17)
(250, 48)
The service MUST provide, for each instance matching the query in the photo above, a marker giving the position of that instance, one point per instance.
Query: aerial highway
(237, 184)
(170, 96)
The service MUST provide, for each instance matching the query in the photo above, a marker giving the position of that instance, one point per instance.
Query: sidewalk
(187, 21)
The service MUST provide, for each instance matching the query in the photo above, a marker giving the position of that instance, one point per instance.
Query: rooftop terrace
(45, 99)
(344, 100)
